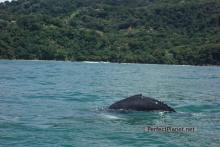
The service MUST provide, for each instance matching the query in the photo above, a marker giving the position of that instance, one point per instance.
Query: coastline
(105, 62)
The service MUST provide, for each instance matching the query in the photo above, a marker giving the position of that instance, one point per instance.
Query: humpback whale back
(141, 103)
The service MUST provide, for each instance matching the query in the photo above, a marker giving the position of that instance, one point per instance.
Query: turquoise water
(51, 103)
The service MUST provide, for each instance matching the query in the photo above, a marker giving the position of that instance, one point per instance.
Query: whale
(140, 103)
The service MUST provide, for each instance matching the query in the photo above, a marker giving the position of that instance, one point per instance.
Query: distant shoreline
(90, 62)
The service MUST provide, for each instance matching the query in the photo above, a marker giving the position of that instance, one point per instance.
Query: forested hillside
(140, 31)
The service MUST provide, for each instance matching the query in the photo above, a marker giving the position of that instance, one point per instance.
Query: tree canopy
(140, 31)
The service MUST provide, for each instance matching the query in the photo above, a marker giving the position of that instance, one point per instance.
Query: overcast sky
(4, 0)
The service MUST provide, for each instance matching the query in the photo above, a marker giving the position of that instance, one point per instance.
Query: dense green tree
(143, 31)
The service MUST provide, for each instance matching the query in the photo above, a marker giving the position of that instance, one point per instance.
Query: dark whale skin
(140, 103)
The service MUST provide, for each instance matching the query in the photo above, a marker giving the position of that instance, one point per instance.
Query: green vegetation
(143, 31)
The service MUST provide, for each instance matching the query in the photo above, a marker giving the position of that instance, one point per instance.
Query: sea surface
(54, 103)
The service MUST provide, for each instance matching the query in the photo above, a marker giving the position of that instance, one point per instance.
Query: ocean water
(52, 104)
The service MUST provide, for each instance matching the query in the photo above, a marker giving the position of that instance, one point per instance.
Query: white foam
(95, 62)
(108, 116)
(161, 113)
